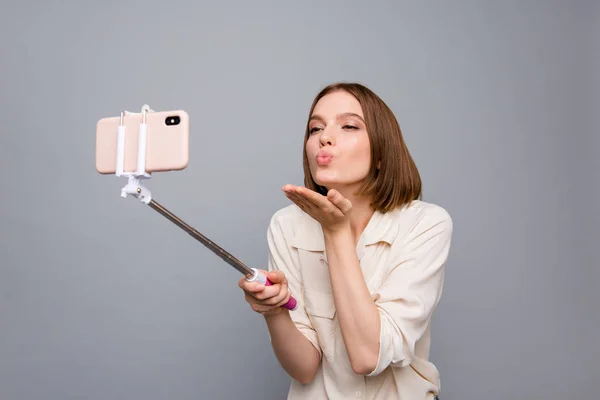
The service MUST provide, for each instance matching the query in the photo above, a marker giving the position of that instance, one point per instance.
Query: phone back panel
(167, 146)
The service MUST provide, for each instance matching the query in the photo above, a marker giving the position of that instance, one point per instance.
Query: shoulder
(287, 216)
(287, 213)
(425, 212)
(421, 217)
(296, 229)
(287, 220)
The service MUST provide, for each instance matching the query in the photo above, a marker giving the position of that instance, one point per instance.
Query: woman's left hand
(332, 211)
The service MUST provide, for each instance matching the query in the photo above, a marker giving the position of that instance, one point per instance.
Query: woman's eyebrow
(339, 116)
(350, 114)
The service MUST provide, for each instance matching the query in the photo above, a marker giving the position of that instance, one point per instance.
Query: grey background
(102, 298)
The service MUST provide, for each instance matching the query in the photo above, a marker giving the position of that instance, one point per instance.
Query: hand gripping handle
(261, 277)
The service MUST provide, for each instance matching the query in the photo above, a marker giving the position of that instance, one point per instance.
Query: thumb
(276, 276)
(339, 201)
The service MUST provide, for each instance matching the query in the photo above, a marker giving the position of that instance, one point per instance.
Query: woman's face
(338, 148)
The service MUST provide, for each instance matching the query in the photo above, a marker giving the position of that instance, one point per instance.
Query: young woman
(362, 254)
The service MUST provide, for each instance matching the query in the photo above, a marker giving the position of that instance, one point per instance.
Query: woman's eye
(313, 130)
(350, 127)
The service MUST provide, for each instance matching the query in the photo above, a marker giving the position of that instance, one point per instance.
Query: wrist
(276, 314)
(336, 232)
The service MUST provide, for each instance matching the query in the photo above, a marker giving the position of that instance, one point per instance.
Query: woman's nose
(327, 139)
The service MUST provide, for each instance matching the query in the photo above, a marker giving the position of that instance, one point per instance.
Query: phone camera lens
(173, 120)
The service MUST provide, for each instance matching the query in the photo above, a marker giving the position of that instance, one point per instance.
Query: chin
(326, 178)
(333, 184)
(332, 180)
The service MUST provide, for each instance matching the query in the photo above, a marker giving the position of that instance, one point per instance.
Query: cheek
(311, 152)
(362, 152)
(365, 152)
(310, 148)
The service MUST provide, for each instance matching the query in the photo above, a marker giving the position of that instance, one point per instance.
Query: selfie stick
(135, 188)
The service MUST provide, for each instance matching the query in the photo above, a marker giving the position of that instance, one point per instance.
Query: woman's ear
(379, 165)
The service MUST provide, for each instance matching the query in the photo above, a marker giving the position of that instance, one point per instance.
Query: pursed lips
(324, 157)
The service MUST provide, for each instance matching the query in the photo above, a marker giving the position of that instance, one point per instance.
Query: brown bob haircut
(397, 182)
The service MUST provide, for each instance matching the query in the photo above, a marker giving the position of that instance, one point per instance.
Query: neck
(361, 213)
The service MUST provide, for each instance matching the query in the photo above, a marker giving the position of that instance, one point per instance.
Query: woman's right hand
(267, 300)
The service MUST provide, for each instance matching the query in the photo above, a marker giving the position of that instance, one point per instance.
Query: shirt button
(358, 393)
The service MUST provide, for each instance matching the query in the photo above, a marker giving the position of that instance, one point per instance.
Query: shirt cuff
(311, 335)
(389, 342)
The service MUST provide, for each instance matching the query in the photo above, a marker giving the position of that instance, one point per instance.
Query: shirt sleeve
(282, 258)
(412, 289)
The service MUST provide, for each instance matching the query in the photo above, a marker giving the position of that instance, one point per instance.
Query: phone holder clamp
(134, 186)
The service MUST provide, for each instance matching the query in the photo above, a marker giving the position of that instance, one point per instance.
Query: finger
(339, 201)
(253, 301)
(276, 276)
(283, 293)
(260, 306)
(288, 188)
(313, 197)
(313, 207)
(268, 292)
(301, 202)
(322, 203)
(252, 287)
(293, 193)
(285, 299)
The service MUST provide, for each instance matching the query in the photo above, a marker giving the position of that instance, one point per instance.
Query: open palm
(331, 211)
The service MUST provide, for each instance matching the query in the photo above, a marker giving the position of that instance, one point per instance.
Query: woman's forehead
(337, 103)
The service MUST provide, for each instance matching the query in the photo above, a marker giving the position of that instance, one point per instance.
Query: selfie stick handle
(135, 188)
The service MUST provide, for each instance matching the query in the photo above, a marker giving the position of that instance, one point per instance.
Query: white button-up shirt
(402, 254)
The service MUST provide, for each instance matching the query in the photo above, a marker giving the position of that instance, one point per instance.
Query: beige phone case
(167, 142)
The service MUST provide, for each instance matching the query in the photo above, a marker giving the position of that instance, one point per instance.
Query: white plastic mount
(256, 277)
(134, 186)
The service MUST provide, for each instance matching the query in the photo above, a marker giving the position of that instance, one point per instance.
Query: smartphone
(167, 142)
